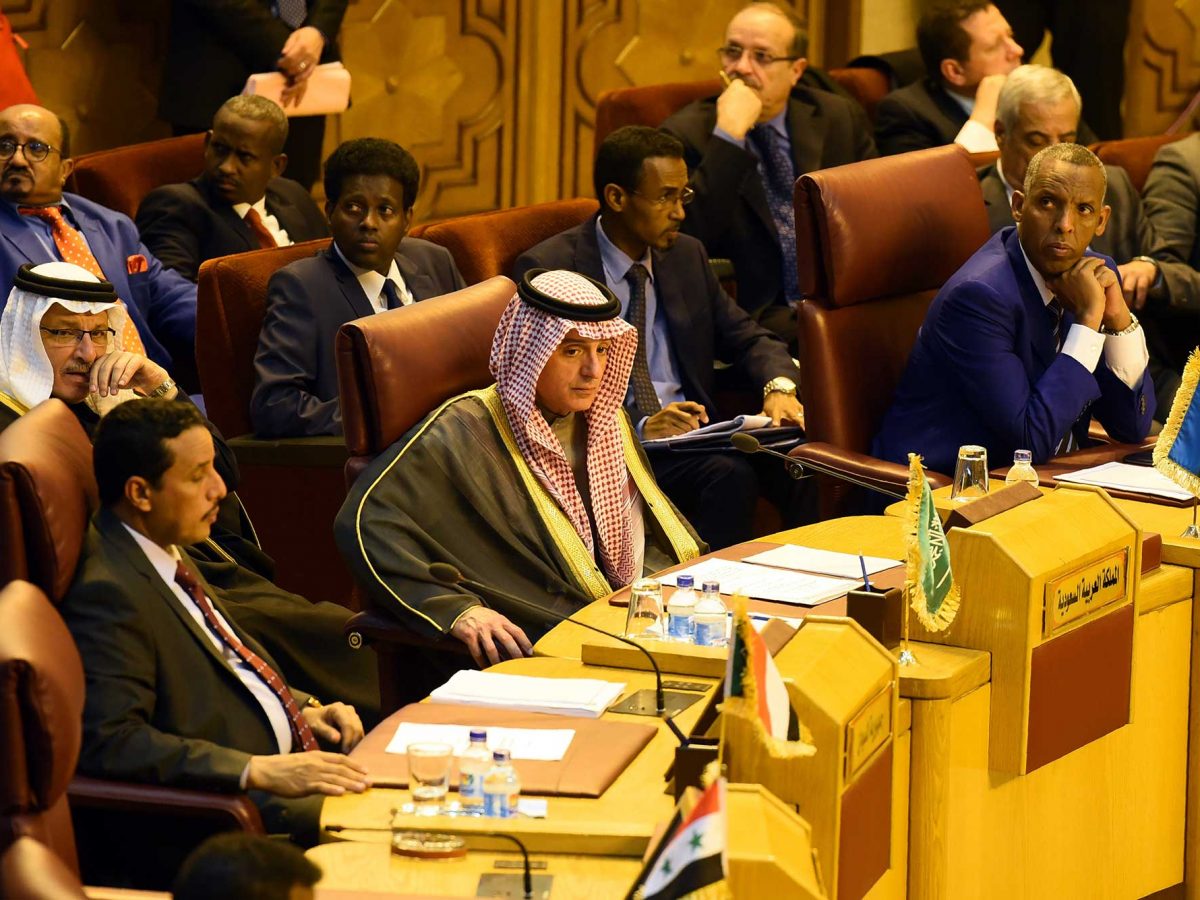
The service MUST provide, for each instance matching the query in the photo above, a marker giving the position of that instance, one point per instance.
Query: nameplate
(1082, 591)
(868, 731)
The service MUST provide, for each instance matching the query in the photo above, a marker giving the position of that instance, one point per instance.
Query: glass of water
(428, 776)
(645, 615)
(970, 474)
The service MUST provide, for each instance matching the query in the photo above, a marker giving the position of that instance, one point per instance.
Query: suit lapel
(284, 212)
(668, 289)
(239, 233)
(420, 284)
(807, 135)
(587, 252)
(1041, 318)
(351, 289)
(21, 236)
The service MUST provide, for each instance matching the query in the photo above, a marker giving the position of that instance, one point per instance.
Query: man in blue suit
(34, 164)
(1031, 338)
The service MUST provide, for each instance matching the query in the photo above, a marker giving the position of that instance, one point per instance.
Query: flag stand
(1192, 531)
(906, 657)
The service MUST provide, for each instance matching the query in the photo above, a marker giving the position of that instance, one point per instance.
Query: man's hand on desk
(302, 774)
(675, 418)
(336, 723)
(784, 409)
(482, 629)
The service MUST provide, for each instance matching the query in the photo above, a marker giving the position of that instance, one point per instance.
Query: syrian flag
(751, 673)
(691, 860)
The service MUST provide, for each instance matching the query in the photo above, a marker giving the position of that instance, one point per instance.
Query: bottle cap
(712, 587)
(478, 734)
(1022, 456)
(501, 756)
(684, 581)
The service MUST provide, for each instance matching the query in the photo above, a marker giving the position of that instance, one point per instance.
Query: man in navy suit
(370, 187)
(684, 321)
(34, 164)
(1030, 338)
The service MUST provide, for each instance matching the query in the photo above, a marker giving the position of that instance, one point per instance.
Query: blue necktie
(779, 179)
(291, 13)
(392, 294)
(645, 398)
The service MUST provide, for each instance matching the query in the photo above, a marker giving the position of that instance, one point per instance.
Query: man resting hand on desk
(1030, 338)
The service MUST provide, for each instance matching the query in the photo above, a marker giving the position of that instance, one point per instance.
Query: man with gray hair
(1031, 338)
(240, 202)
(1038, 107)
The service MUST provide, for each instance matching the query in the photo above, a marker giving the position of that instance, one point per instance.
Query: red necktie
(301, 733)
(74, 249)
(266, 240)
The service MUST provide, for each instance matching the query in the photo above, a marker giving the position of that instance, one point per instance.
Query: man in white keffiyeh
(535, 487)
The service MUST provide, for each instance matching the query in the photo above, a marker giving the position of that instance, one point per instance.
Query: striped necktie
(645, 397)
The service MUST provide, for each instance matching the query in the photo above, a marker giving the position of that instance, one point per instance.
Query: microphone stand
(748, 443)
(447, 574)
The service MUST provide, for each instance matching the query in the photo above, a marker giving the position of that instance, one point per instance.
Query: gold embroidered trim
(657, 504)
(13, 403)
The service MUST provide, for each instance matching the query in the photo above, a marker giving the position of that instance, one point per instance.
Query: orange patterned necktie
(74, 249)
(266, 240)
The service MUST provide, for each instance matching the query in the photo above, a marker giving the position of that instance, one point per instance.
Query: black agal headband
(565, 309)
(63, 288)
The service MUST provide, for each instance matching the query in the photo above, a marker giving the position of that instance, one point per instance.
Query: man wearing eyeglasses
(40, 223)
(684, 322)
(746, 148)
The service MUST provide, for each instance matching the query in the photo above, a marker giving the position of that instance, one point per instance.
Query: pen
(866, 581)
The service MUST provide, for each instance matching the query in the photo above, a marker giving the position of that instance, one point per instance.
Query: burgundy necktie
(266, 240)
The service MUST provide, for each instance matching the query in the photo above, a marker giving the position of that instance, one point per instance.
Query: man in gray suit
(370, 187)
(1039, 106)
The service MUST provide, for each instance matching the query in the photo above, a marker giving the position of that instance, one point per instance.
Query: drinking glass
(645, 615)
(428, 775)
(970, 474)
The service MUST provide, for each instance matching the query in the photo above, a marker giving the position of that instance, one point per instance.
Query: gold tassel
(914, 562)
(1166, 438)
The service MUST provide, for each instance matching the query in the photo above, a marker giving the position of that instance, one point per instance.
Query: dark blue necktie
(779, 179)
(291, 13)
(645, 398)
(392, 294)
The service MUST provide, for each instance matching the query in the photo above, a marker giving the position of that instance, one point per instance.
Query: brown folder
(600, 751)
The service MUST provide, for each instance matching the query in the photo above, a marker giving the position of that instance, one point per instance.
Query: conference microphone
(445, 573)
(748, 443)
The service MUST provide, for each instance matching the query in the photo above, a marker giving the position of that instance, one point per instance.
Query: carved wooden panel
(1162, 64)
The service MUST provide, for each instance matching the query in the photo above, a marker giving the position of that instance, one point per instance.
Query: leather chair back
(41, 708)
(121, 177)
(231, 303)
(396, 367)
(649, 105)
(488, 244)
(866, 85)
(29, 870)
(47, 493)
(1134, 155)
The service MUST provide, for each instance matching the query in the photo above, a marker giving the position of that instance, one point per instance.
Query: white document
(584, 697)
(729, 426)
(1124, 477)
(823, 562)
(763, 583)
(546, 744)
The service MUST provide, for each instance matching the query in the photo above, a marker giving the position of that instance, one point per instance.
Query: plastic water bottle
(501, 787)
(1022, 469)
(681, 610)
(711, 616)
(473, 766)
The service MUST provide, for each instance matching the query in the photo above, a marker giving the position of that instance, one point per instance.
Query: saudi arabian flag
(933, 593)
(751, 674)
(1177, 451)
(691, 861)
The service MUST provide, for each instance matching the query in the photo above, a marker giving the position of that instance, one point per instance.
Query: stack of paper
(824, 562)
(763, 583)
(1124, 477)
(546, 744)
(728, 427)
(586, 697)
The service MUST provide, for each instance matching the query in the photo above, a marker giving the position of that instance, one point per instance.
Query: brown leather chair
(291, 488)
(393, 370)
(649, 105)
(1134, 155)
(866, 85)
(29, 870)
(883, 236)
(488, 244)
(121, 177)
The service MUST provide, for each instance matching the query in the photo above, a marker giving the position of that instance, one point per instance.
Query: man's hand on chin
(124, 370)
(784, 409)
(675, 418)
(1080, 291)
(490, 636)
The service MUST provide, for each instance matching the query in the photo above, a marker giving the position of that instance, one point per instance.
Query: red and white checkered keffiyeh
(525, 340)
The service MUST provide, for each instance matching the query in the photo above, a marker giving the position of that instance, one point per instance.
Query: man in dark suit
(370, 188)
(684, 321)
(968, 50)
(1038, 107)
(1030, 338)
(746, 148)
(240, 203)
(213, 48)
(177, 694)
(40, 223)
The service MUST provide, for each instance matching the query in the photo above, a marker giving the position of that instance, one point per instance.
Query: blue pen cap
(478, 735)
(711, 587)
(685, 581)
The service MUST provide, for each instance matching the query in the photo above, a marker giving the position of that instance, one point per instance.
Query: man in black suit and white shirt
(684, 321)
(370, 187)
(240, 203)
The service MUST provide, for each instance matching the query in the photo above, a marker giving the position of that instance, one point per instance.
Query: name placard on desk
(1078, 593)
(867, 731)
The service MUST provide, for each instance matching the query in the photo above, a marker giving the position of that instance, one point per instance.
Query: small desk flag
(1177, 452)
(690, 862)
(934, 596)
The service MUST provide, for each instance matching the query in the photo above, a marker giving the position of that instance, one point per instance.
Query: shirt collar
(260, 206)
(967, 103)
(371, 281)
(779, 123)
(164, 560)
(616, 261)
(1008, 188)
(1038, 281)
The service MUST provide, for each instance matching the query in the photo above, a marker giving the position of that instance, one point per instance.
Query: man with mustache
(1030, 339)
(746, 148)
(240, 202)
(40, 223)
(684, 321)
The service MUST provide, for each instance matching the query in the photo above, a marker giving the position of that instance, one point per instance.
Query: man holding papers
(535, 487)
(684, 322)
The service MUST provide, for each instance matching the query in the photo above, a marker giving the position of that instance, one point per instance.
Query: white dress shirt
(272, 224)
(974, 137)
(372, 282)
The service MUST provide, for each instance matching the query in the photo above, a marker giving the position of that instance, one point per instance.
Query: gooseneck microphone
(445, 573)
(748, 443)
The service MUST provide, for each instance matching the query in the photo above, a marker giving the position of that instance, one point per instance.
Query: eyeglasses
(69, 337)
(670, 197)
(731, 53)
(35, 151)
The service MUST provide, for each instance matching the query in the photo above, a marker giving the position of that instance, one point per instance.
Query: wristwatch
(1128, 329)
(781, 385)
(162, 390)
